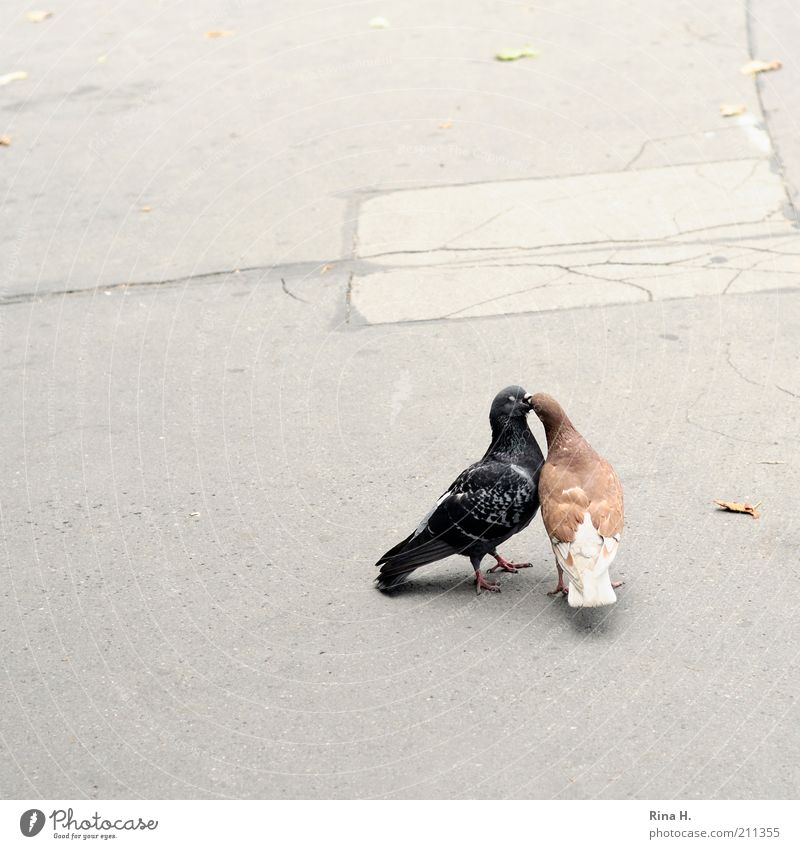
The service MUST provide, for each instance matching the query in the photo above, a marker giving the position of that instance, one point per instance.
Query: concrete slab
(538, 245)
(599, 208)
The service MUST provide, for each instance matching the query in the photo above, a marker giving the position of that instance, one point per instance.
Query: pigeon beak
(528, 399)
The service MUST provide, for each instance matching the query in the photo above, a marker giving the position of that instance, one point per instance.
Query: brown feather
(575, 479)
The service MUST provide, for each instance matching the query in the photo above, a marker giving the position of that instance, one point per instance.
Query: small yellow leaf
(38, 16)
(445, 125)
(5, 79)
(513, 55)
(379, 23)
(740, 507)
(758, 66)
(146, 209)
(326, 268)
(730, 110)
(5, 141)
(219, 33)
(101, 60)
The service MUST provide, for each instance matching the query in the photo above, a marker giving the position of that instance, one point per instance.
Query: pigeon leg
(561, 587)
(617, 584)
(480, 582)
(503, 564)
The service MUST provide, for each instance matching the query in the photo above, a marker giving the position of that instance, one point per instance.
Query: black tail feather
(414, 551)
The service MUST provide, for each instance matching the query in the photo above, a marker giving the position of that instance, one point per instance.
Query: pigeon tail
(414, 551)
(596, 591)
(586, 561)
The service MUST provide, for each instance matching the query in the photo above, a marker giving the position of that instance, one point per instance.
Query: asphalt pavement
(262, 271)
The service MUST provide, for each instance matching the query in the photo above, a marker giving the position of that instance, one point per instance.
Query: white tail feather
(597, 591)
(586, 560)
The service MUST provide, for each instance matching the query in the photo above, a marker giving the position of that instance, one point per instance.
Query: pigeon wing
(488, 501)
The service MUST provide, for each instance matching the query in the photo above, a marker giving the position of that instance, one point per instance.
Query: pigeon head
(547, 408)
(513, 402)
(555, 420)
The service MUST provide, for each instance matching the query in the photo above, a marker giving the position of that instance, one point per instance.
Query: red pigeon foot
(482, 583)
(561, 587)
(503, 564)
(617, 584)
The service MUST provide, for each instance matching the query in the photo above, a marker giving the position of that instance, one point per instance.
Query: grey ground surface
(257, 292)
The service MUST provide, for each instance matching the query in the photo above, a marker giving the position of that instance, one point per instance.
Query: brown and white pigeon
(582, 509)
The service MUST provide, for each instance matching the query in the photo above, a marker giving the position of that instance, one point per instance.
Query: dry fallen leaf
(146, 209)
(739, 507)
(757, 66)
(38, 16)
(730, 110)
(512, 55)
(326, 268)
(101, 60)
(5, 141)
(445, 125)
(5, 79)
(219, 33)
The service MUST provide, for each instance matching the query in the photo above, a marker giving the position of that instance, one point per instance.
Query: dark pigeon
(487, 503)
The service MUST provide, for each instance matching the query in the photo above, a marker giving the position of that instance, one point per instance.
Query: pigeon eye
(511, 398)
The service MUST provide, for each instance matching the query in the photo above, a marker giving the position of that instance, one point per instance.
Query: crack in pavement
(655, 241)
(500, 259)
(683, 265)
(699, 426)
(746, 379)
(735, 368)
(765, 250)
(647, 142)
(507, 295)
(733, 280)
(305, 269)
(479, 226)
(787, 391)
(401, 322)
(290, 293)
(745, 179)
